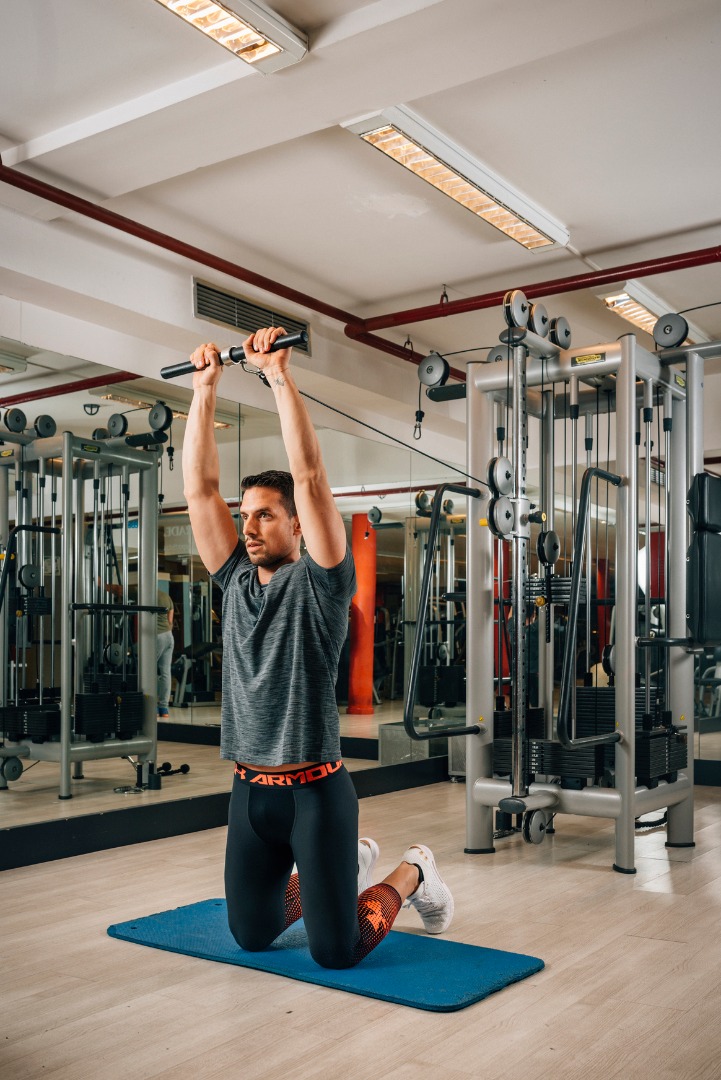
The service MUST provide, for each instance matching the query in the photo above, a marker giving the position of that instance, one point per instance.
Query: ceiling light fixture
(406, 138)
(11, 364)
(635, 303)
(178, 411)
(248, 29)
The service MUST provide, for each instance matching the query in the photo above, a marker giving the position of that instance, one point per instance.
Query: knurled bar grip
(236, 355)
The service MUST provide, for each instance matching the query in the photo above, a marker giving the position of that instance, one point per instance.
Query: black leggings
(315, 825)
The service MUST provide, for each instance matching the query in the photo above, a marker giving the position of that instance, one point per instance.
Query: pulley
(45, 426)
(500, 516)
(500, 475)
(374, 515)
(113, 654)
(560, 332)
(515, 308)
(535, 824)
(423, 501)
(434, 370)
(670, 331)
(548, 547)
(160, 416)
(15, 420)
(538, 322)
(29, 576)
(100, 433)
(117, 424)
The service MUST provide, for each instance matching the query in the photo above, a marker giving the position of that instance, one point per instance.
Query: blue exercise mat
(408, 969)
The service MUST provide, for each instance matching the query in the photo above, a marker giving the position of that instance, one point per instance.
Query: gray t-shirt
(281, 644)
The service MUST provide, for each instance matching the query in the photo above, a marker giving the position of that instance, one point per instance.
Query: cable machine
(72, 688)
(617, 751)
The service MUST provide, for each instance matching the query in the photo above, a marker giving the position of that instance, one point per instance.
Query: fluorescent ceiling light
(11, 363)
(246, 28)
(179, 411)
(406, 138)
(635, 303)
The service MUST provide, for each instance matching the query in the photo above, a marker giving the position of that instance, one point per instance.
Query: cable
(700, 307)
(400, 442)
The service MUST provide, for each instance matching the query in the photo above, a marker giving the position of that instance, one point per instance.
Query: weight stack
(129, 708)
(596, 710)
(31, 721)
(108, 682)
(95, 716)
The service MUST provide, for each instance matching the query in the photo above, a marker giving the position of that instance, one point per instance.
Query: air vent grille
(225, 308)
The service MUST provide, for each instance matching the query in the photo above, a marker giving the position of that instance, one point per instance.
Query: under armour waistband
(290, 778)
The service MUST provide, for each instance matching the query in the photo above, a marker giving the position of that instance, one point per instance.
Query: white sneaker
(368, 852)
(432, 899)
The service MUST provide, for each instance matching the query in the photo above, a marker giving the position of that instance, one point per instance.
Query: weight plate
(548, 548)
(15, 420)
(160, 417)
(100, 433)
(500, 516)
(560, 332)
(515, 308)
(501, 476)
(374, 515)
(538, 321)
(434, 370)
(12, 768)
(29, 576)
(45, 426)
(670, 331)
(118, 424)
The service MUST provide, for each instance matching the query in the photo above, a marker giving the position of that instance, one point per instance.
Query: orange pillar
(362, 619)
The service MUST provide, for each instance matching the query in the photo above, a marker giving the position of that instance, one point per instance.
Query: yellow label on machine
(589, 358)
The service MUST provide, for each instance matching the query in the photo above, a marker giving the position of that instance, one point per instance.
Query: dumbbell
(166, 769)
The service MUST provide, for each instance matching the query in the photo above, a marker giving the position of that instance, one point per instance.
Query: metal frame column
(626, 593)
(480, 433)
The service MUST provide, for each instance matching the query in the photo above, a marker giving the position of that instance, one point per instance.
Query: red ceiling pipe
(188, 251)
(589, 280)
(67, 388)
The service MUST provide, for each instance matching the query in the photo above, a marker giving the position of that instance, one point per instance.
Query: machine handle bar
(236, 355)
(408, 718)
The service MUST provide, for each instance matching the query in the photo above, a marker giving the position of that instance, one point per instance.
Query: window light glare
(220, 24)
(392, 142)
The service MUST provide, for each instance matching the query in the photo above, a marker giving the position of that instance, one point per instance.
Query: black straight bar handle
(569, 649)
(408, 718)
(236, 355)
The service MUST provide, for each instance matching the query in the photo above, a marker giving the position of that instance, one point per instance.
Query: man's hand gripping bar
(236, 355)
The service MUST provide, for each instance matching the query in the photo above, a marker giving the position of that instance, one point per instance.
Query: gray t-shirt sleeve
(338, 581)
(222, 576)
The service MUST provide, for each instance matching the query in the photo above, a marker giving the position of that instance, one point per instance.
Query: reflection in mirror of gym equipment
(72, 689)
(547, 736)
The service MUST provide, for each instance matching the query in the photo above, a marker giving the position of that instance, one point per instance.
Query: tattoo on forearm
(279, 381)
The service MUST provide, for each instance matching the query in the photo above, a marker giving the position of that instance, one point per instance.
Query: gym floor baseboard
(27, 845)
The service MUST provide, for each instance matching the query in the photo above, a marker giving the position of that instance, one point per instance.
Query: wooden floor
(631, 987)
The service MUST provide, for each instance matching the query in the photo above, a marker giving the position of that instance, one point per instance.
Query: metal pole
(687, 433)
(647, 420)
(479, 619)
(520, 574)
(626, 590)
(148, 594)
(589, 448)
(546, 649)
(66, 618)
(4, 533)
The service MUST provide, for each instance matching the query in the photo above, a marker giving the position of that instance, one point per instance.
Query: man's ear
(297, 531)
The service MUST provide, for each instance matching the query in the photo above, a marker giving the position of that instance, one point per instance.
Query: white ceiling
(605, 114)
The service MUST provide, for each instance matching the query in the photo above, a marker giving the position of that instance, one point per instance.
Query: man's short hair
(279, 481)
